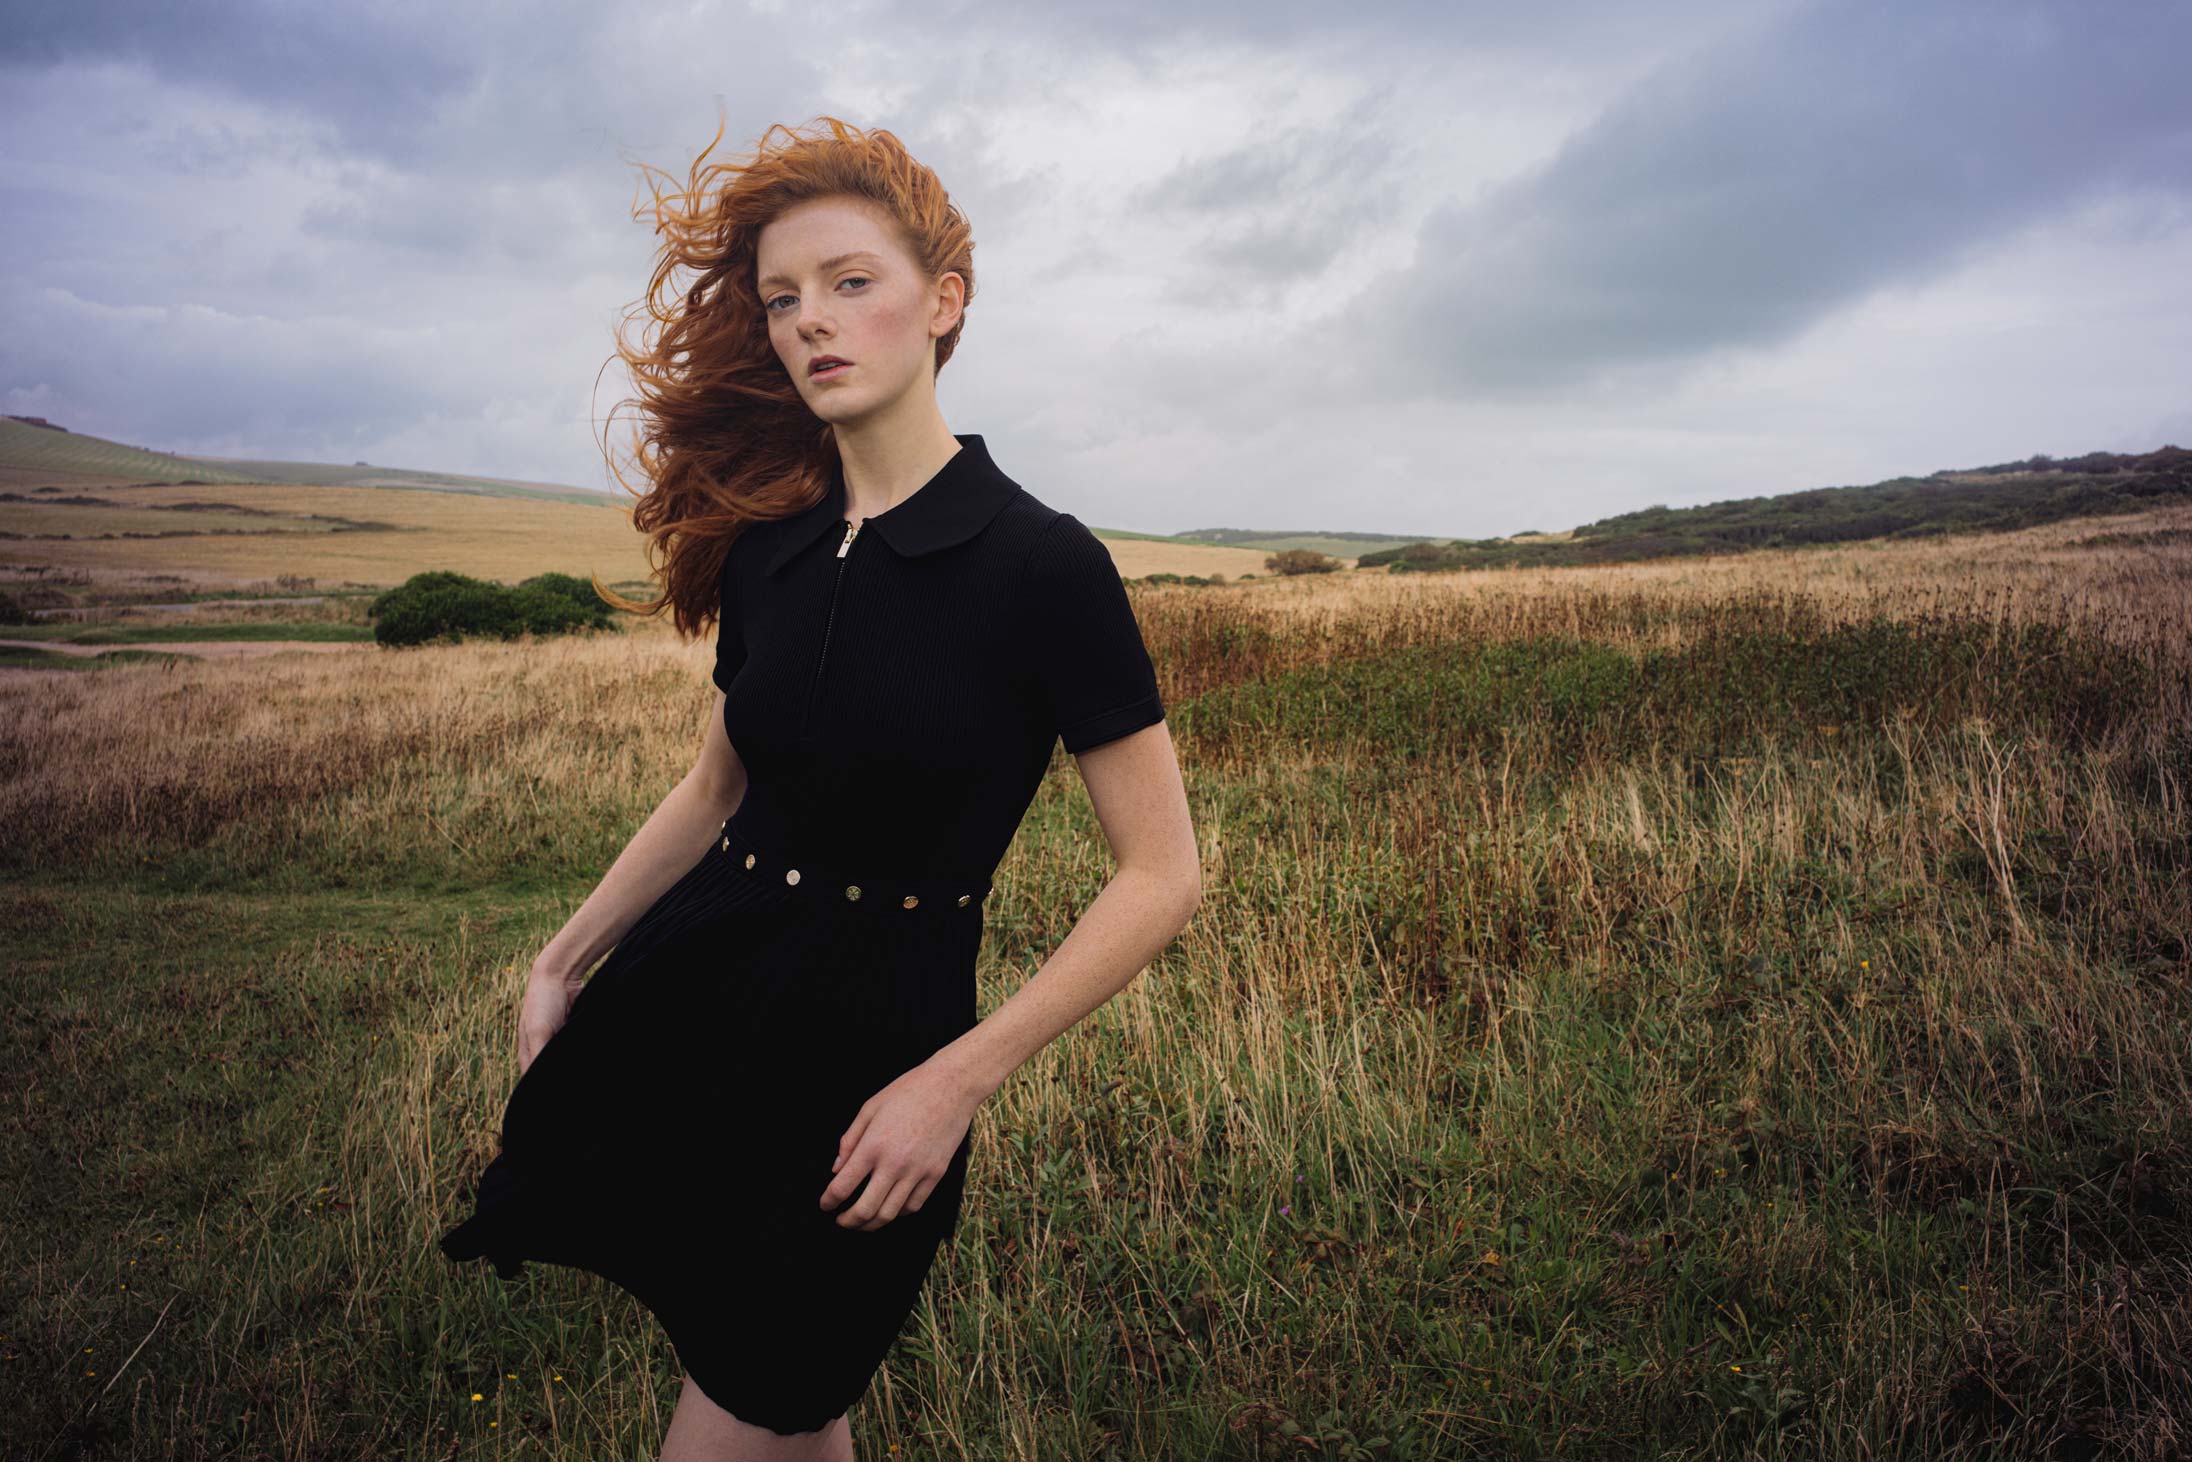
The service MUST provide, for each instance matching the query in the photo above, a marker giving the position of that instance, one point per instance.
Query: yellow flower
(477, 1397)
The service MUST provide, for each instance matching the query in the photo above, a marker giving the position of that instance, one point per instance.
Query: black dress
(895, 696)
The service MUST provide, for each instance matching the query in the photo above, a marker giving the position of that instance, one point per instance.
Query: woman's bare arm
(668, 843)
(1134, 784)
(901, 1141)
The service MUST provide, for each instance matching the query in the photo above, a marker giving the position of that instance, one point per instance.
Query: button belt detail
(883, 893)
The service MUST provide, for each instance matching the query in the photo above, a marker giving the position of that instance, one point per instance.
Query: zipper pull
(850, 529)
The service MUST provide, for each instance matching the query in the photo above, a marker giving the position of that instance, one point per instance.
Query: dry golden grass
(2142, 595)
(1653, 1067)
(1139, 556)
(503, 538)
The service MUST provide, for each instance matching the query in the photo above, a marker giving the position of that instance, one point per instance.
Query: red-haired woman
(755, 1115)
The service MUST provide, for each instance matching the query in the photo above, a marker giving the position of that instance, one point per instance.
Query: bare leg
(701, 1431)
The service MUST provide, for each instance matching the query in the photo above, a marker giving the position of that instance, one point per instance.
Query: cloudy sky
(1408, 267)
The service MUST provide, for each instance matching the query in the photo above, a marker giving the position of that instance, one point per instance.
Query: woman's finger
(893, 1200)
(864, 1209)
(849, 1173)
(848, 1143)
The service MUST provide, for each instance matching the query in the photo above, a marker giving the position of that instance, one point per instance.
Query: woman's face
(834, 281)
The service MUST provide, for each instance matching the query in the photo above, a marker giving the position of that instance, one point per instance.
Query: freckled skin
(877, 311)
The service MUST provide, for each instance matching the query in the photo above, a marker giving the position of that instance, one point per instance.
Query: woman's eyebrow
(827, 264)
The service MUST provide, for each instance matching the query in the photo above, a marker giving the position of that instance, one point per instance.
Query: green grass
(133, 634)
(29, 658)
(67, 453)
(1579, 1052)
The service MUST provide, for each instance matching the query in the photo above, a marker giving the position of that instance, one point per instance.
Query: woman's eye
(771, 304)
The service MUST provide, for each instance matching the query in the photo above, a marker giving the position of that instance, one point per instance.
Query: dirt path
(204, 649)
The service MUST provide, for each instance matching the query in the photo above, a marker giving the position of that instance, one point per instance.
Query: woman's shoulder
(1058, 554)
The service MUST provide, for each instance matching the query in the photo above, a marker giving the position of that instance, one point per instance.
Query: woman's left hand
(901, 1141)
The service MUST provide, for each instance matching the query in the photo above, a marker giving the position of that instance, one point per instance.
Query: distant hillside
(33, 454)
(1336, 542)
(1259, 537)
(328, 474)
(1975, 499)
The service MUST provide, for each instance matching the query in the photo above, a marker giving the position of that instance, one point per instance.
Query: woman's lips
(830, 373)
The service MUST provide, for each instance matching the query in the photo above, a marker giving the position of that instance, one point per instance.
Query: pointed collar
(951, 507)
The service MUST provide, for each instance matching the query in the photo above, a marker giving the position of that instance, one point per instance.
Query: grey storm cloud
(1282, 208)
(379, 71)
(1236, 234)
(1736, 197)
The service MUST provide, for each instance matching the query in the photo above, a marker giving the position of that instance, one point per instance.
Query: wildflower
(1285, 1209)
(1735, 1368)
(477, 1397)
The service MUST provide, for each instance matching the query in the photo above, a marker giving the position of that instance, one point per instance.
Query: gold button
(749, 860)
(726, 845)
(791, 875)
(963, 898)
(911, 900)
(852, 891)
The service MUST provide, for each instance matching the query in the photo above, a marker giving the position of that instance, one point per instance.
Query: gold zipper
(852, 530)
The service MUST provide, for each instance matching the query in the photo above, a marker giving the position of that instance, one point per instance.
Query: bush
(441, 605)
(1300, 561)
(1172, 578)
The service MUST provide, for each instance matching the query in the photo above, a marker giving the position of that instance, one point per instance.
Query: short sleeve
(730, 637)
(1093, 670)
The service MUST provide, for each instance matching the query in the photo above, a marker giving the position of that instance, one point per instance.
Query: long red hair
(724, 437)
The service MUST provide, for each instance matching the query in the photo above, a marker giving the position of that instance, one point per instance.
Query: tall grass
(1741, 1009)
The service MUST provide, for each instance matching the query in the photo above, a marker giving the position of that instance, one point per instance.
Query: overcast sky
(1410, 267)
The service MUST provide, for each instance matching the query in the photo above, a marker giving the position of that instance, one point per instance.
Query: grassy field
(406, 531)
(1726, 1007)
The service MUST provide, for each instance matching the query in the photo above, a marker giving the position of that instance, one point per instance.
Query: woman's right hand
(548, 997)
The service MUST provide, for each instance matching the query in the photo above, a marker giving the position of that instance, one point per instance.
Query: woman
(755, 1115)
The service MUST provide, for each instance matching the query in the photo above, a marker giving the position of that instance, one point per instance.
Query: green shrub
(442, 605)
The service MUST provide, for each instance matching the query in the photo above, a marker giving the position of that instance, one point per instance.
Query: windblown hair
(725, 438)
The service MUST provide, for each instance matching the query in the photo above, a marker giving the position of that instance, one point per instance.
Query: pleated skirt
(676, 1133)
